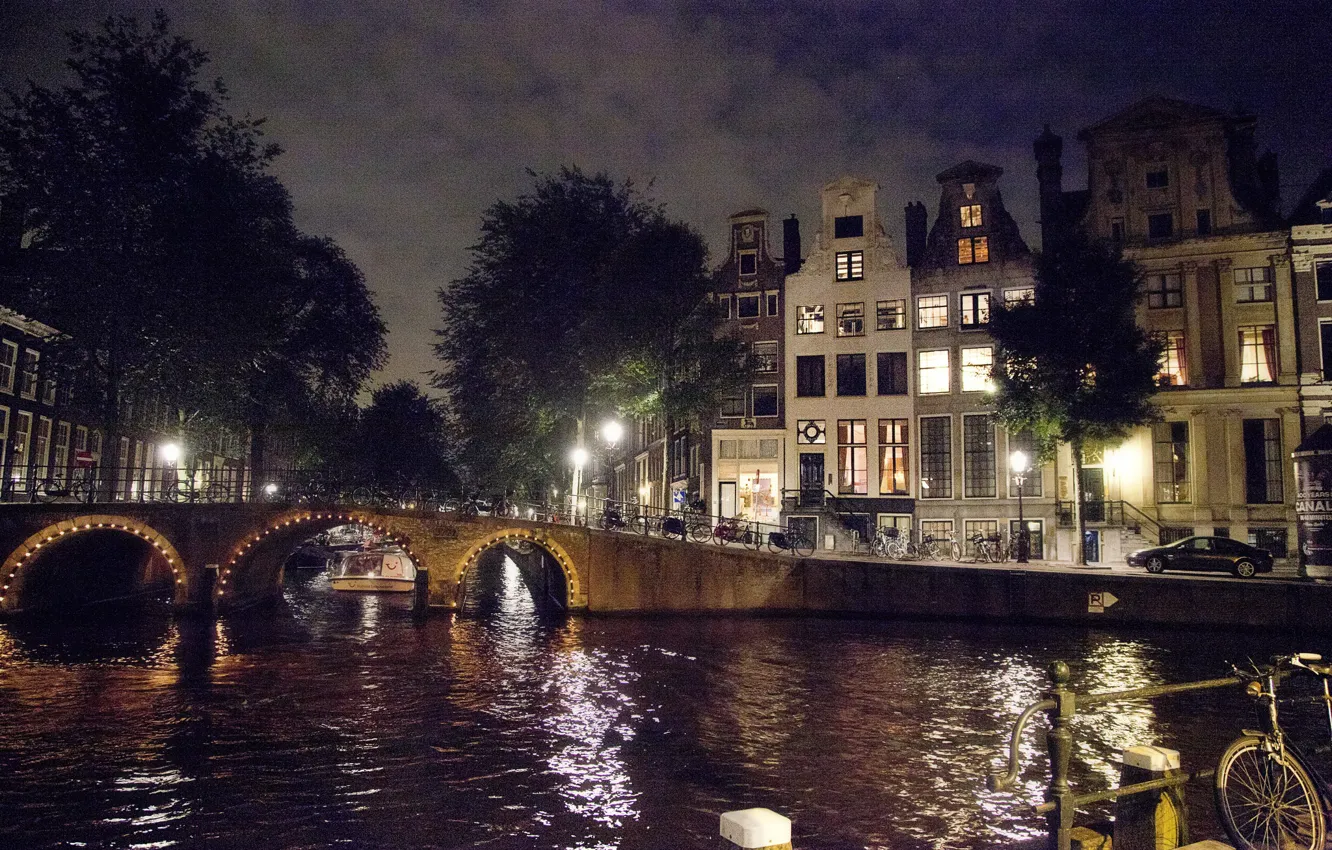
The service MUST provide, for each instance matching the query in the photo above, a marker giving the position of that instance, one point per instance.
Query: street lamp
(1017, 462)
(170, 452)
(611, 432)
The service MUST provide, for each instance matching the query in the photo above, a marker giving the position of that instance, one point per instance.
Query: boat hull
(373, 584)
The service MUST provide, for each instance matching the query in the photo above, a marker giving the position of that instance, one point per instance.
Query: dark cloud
(404, 119)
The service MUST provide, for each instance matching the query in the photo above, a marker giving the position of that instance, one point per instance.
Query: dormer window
(848, 226)
(973, 249)
(850, 265)
(971, 215)
(748, 263)
(1158, 178)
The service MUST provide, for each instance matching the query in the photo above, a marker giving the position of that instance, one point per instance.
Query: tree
(403, 436)
(164, 250)
(1072, 365)
(581, 299)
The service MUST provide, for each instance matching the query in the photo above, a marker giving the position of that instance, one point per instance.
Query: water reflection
(334, 719)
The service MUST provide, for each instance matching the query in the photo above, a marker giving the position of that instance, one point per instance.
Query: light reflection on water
(334, 720)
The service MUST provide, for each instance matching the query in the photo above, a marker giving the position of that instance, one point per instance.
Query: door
(1092, 546)
(811, 478)
(1093, 493)
(726, 501)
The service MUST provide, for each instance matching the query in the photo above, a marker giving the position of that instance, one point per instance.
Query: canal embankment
(689, 578)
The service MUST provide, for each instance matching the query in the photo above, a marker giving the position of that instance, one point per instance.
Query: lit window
(976, 363)
(975, 310)
(747, 306)
(811, 432)
(1024, 295)
(765, 356)
(893, 457)
(852, 457)
(1257, 354)
(851, 319)
(1164, 290)
(809, 320)
(1170, 461)
(932, 372)
(971, 215)
(932, 311)
(850, 265)
(1253, 284)
(891, 315)
(1173, 360)
(973, 249)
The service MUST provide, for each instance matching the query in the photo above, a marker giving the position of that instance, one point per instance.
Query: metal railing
(1111, 512)
(1061, 707)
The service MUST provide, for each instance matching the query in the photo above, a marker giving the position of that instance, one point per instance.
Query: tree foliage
(581, 299)
(403, 436)
(162, 247)
(1073, 366)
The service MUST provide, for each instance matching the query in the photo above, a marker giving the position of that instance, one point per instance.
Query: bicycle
(75, 488)
(1269, 795)
(986, 549)
(793, 539)
(731, 530)
(883, 539)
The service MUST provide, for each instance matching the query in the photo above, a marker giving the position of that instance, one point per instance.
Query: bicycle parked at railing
(77, 487)
(793, 539)
(884, 538)
(988, 549)
(1269, 794)
(734, 530)
(612, 519)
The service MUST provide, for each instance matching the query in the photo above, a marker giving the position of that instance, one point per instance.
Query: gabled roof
(1155, 113)
(971, 171)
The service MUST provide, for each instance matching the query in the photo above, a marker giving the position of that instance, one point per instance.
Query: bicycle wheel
(879, 546)
(698, 529)
(1267, 800)
(753, 538)
(802, 545)
(957, 551)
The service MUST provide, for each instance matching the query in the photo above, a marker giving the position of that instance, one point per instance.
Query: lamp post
(1017, 462)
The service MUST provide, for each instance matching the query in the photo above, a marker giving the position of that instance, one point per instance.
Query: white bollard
(756, 829)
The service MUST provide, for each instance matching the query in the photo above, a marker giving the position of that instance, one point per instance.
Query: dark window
(733, 405)
(747, 306)
(1171, 534)
(1158, 179)
(936, 458)
(1262, 461)
(1160, 226)
(774, 303)
(850, 374)
(978, 468)
(748, 263)
(764, 356)
(765, 400)
(809, 375)
(892, 373)
(1323, 274)
(1325, 333)
(724, 306)
(1164, 290)
(1204, 222)
(1117, 229)
(848, 226)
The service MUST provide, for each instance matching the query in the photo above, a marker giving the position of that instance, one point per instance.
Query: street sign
(1098, 601)
(83, 459)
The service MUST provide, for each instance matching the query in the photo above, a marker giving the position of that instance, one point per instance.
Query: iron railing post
(1059, 742)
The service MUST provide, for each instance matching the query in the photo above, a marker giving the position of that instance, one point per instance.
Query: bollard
(421, 594)
(1152, 820)
(753, 829)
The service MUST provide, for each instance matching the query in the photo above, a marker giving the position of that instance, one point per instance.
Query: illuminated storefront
(747, 474)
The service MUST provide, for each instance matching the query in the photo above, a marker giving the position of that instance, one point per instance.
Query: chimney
(1050, 178)
(791, 244)
(917, 231)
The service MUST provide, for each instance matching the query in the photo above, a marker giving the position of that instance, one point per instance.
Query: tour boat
(391, 572)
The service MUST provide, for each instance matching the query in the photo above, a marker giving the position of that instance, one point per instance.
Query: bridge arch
(28, 552)
(288, 527)
(503, 535)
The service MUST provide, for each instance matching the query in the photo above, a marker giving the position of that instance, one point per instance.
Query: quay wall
(683, 578)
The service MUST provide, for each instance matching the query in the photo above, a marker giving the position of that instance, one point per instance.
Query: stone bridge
(221, 557)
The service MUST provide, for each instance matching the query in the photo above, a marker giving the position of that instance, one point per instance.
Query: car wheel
(1245, 569)
(1155, 565)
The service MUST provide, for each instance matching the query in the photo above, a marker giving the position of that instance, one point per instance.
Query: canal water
(335, 721)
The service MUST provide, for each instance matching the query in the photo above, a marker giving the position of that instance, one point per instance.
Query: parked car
(1215, 554)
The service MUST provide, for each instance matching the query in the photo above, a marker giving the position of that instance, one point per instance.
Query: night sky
(403, 120)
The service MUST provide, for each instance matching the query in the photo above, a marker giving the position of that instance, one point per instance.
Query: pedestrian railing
(1061, 707)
